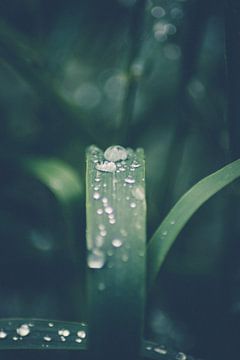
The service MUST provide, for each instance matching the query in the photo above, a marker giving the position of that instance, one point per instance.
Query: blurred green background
(78, 72)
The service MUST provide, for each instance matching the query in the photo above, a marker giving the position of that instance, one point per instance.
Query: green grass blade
(39, 334)
(153, 350)
(116, 215)
(184, 209)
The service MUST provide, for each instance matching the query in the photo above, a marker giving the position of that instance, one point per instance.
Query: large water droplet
(115, 153)
(23, 330)
(108, 210)
(64, 332)
(117, 243)
(96, 259)
(81, 334)
(3, 334)
(181, 356)
(106, 166)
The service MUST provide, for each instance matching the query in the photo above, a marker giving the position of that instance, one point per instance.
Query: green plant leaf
(116, 215)
(59, 177)
(42, 335)
(184, 209)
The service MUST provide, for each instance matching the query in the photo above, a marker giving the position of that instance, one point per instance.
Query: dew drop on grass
(117, 243)
(108, 210)
(149, 348)
(15, 338)
(115, 153)
(96, 259)
(96, 195)
(181, 356)
(160, 350)
(23, 330)
(101, 286)
(81, 334)
(64, 332)
(106, 166)
(47, 338)
(3, 334)
(78, 340)
(125, 258)
(172, 222)
(133, 205)
(138, 192)
(99, 211)
(50, 324)
(129, 180)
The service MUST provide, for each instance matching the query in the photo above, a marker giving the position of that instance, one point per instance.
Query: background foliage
(73, 73)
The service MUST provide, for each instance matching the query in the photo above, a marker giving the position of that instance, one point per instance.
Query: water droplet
(181, 356)
(104, 201)
(101, 286)
(108, 210)
(158, 12)
(135, 164)
(50, 324)
(97, 179)
(133, 205)
(149, 348)
(125, 258)
(47, 338)
(116, 243)
(96, 196)
(62, 338)
(112, 221)
(164, 233)
(99, 241)
(138, 192)
(3, 334)
(23, 330)
(172, 222)
(106, 166)
(123, 232)
(81, 334)
(115, 153)
(96, 259)
(78, 340)
(129, 180)
(15, 338)
(103, 233)
(64, 332)
(99, 211)
(96, 188)
(160, 350)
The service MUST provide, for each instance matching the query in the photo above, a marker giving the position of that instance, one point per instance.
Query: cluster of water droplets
(122, 163)
(32, 331)
(162, 350)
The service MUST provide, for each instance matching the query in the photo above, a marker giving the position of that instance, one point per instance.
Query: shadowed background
(73, 73)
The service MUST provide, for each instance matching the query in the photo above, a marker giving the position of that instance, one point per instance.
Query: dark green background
(64, 70)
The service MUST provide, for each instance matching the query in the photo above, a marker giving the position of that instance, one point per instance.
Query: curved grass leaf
(184, 209)
(116, 214)
(58, 176)
(42, 335)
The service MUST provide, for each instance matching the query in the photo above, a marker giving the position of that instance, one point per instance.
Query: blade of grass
(184, 209)
(58, 176)
(41, 334)
(116, 215)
